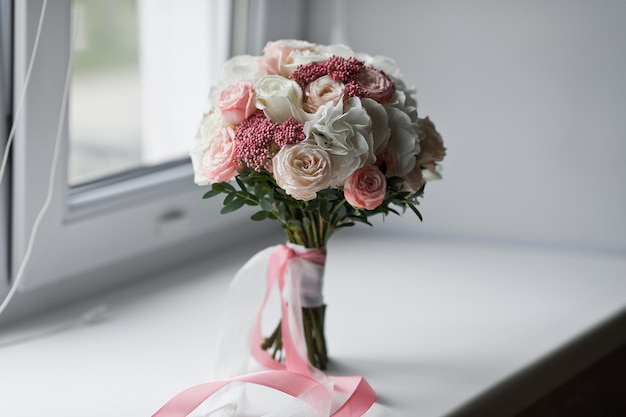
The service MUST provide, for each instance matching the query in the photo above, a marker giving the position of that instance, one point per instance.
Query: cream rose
(279, 98)
(365, 188)
(302, 170)
(322, 91)
(345, 135)
(283, 56)
(210, 124)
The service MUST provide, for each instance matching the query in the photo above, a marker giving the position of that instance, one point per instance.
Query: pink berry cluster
(349, 71)
(255, 138)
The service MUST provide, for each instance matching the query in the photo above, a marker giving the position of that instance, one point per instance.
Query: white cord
(46, 205)
(92, 315)
(20, 103)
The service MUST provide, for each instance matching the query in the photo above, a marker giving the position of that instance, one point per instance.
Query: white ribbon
(303, 287)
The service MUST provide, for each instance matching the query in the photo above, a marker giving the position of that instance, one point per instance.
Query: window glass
(105, 93)
(139, 84)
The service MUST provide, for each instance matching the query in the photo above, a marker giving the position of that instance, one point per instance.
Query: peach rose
(278, 56)
(365, 188)
(302, 170)
(431, 145)
(377, 85)
(219, 163)
(236, 102)
(321, 91)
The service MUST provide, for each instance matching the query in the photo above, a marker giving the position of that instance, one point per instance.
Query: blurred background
(529, 96)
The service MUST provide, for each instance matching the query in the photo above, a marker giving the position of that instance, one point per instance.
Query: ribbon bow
(296, 377)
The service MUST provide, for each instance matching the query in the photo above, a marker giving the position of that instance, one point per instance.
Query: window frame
(6, 30)
(96, 236)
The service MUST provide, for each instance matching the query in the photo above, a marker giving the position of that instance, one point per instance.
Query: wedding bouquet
(318, 138)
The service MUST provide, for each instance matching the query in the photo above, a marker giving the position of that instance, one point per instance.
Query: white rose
(279, 98)
(241, 68)
(302, 57)
(302, 170)
(346, 136)
(400, 154)
(383, 63)
(339, 49)
(322, 91)
(209, 126)
(316, 53)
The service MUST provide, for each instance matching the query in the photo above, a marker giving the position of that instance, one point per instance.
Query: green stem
(247, 196)
(316, 241)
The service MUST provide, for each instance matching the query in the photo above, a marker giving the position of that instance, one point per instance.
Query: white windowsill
(432, 325)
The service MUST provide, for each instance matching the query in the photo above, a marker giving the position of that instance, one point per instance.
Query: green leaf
(266, 204)
(228, 187)
(389, 209)
(346, 224)
(261, 190)
(260, 215)
(229, 198)
(241, 184)
(324, 213)
(312, 205)
(418, 192)
(273, 215)
(415, 210)
(343, 211)
(211, 193)
(235, 205)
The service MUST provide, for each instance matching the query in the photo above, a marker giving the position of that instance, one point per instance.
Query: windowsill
(437, 328)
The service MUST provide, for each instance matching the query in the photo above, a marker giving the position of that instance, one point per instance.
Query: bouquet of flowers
(318, 138)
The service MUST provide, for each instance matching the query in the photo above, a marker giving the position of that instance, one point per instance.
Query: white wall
(530, 97)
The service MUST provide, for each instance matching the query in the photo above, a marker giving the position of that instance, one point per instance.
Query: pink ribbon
(296, 376)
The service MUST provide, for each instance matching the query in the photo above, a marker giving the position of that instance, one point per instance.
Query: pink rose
(365, 188)
(376, 84)
(431, 145)
(219, 162)
(236, 102)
